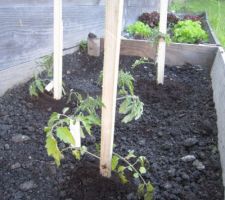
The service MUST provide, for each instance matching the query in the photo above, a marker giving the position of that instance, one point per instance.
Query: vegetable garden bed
(179, 120)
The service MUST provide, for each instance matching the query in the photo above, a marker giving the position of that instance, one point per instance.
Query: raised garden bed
(152, 20)
(179, 119)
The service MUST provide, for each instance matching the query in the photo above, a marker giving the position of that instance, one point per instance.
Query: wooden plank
(218, 85)
(58, 49)
(113, 27)
(180, 54)
(162, 42)
(176, 54)
(129, 47)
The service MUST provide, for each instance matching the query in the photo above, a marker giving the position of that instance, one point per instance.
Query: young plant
(83, 46)
(140, 62)
(189, 32)
(139, 30)
(85, 117)
(39, 83)
(131, 106)
(151, 19)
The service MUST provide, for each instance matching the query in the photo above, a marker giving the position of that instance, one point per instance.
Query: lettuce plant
(139, 29)
(188, 31)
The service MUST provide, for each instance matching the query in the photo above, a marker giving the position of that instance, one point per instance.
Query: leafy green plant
(139, 29)
(39, 83)
(188, 31)
(37, 86)
(140, 62)
(131, 106)
(86, 116)
(83, 46)
(59, 129)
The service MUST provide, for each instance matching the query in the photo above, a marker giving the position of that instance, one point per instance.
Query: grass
(214, 8)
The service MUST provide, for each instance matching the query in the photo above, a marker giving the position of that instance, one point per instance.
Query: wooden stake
(58, 49)
(162, 42)
(113, 28)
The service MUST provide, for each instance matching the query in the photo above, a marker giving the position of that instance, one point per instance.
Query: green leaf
(77, 154)
(83, 150)
(32, 90)
(53, 150)
(142, 160)
(141, 190)
(53, 118)
(130, 168)
(130, 155)
(121, 168)
(123, 178)
(149, 193)
(115, 161)
(126, 82)
(40, 85)
(132, 107)
(64, 134)
(136, 175)
(142, 170)
(47, 129)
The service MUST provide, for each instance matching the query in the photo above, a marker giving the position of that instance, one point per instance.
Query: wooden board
(218, 85)
(176, 54)
(113, 26)
(162, 43)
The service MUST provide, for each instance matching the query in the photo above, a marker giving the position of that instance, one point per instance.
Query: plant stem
(92, 154)
(126, 161)
(127, 96)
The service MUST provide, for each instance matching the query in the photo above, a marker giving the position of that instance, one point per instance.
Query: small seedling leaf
(142, 170)
(77, 154)
(65, 135)
(115, 161)
(136, 175)
(53, 150)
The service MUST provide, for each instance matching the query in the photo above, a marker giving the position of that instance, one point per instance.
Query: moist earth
(177, 133)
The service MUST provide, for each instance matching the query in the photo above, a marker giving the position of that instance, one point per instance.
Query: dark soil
(179, 119)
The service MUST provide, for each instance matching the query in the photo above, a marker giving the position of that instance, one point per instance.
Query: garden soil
(177, 133)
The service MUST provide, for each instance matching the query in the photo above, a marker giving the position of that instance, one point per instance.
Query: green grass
(214, 8)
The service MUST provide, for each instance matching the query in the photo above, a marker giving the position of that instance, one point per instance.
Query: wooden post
(58, 49)
(113, 28)
(162, 42)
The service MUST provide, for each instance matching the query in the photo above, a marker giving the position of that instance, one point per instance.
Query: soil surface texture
(177, 133)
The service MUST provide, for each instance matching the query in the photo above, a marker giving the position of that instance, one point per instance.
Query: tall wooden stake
(113, 28)
(58, 49)
(162, 42)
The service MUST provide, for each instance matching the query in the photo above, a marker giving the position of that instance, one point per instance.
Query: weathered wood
(113, 27)
(58, 49)
(180, 54)
(162, 42)
(94, 42)
(176, 54)
(218, 85)
(141, 48)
